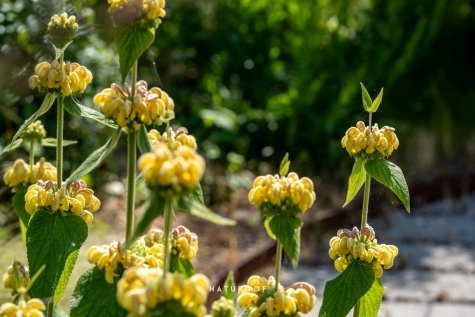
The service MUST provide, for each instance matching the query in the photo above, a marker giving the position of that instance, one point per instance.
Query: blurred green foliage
(253, 79)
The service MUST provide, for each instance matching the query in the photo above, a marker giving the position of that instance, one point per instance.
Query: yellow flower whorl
(173, 139)
(34, 307)
(348, 246)
(176, 170)
(152, 106)
(35, 132)
(184, 243)
(20, 173)
(363, 142)
(278, 194)
(141, 290)
(50, 78)
(77, 199)
(146, 12)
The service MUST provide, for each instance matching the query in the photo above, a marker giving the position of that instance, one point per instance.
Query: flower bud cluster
(77, 199)
(145, 12)
(261, 298)
(143, 290)
(152, 106)
(348, 246)
(62, 29)
(277, 194)
(366, 142)
(172, 171)
(184, 243)
(223, 307)
(8, 277)
(173, 139)
(21, 174)
(51, 78)
(35, 132)
(32, 308)
(148, 252)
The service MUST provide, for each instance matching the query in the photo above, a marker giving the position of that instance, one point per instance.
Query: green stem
(364, 214)
(59, 133)
(50, 308)
(278, 263)
(134, 79)
(356, 311)
(131, 166)
(168, 220)
(32, 156)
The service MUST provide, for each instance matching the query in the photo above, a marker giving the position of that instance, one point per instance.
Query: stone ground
(435, 272)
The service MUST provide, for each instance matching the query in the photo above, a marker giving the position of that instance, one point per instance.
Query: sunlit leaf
(356, 180)
(287, 230)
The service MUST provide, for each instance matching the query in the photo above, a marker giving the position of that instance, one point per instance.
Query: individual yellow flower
(152, 106)
(50, 78)
(32, 308)
(184, 243)
(77, 199)
(143, 290)
(261, 298)
(20, 173)
(282, 194)
(8, 277)
(62, 29)
(348, 246)
(129, 12)
(365, 142)
(35, 132)
(148, 252)
(173, 172)
(173, 139)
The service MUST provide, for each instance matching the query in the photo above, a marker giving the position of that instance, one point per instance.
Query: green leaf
(343, 292)
(356, 180)
(197, 194)
(74, 107)
(18, 203)
(64, 279)
(377, 102)
(287, 230)
(131, 42)
(52, 142)
(367, 102)
(154, 207)
(371, 301)
(182, 266)
(95, 158)
(246, 313)
(143, 142)
(390, 175)
(14, 145)
(94, 296)
(229, 289)
(51, 238)
(195, 208)
(47, 103)
(268, 229)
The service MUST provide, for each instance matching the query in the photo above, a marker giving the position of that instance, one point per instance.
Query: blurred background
(254, 79)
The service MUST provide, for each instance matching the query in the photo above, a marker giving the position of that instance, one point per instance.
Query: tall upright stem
(59, 133)
(32, 154)
(278, 263)
(131, 166)
(168, 219)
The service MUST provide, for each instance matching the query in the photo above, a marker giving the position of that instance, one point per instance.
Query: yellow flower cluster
(62, 29)
(32, 308)
(125, 12)
(184, 243)
(152, 106)
(348, 246)
(367, 142)
(8, 277)
(175, 170)
(223, 307)
(51, 78)
(261, 298)
(277, 194)
(34, 132)
(21, 174)
(143, 290)
(77, 199)
(173, 139)
(148, 252)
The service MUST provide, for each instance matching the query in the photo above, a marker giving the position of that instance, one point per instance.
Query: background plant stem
(278, 263)
(168, 217)
(32, 156)
(131, 165)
